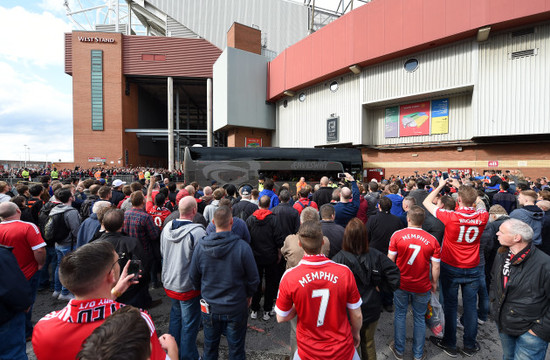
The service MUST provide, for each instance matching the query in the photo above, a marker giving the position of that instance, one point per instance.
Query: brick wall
(236, 136)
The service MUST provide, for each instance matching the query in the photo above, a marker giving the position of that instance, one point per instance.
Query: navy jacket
(15, 291)
(239, 228)
(347, 211)
(224, 270)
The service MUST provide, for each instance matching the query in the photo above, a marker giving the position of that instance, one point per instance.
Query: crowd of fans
(223, 254)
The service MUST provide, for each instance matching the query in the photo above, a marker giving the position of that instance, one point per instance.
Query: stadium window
(411, 65)
(97, 89)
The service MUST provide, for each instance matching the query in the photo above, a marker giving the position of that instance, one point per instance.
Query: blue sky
(35, 92)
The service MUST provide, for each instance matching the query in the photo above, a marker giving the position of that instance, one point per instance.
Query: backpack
(43, 219)
(86, 207)
(55, 229)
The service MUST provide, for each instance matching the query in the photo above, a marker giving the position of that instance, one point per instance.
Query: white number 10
(324, 294)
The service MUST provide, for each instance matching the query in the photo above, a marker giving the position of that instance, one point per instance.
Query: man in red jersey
(413, 250)
(91, 273)
(459, 265)
(319, 291)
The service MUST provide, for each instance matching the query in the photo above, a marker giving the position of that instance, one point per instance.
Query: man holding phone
(177, 244)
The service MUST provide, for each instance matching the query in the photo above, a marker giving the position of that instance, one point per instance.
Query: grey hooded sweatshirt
(177, 243)
(72, 221)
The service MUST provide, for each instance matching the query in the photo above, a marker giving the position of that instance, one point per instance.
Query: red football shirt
(415, 249)
(320, 290)
(463, 229)
(60, 334)
(24, 237)
(159, 214)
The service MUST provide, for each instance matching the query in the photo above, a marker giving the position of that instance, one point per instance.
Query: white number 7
(415, 253)
(324, 294)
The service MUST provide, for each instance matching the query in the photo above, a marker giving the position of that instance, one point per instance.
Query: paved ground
(267, 340)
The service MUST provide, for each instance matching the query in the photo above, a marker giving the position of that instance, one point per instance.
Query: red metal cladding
(168, 56)
(385, 29)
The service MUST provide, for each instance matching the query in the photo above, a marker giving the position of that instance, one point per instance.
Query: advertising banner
(440, 116)
(391, 122)
(414, 119)
(253, 142)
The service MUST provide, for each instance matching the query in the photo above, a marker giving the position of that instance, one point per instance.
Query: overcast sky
(35, 92)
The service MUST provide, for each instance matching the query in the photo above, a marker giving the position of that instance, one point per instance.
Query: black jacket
(525, 303)
(243, 209)
(117, 195)
(265, 238)
(323, 196)
(380, 228)
(130, 248)
(371, 270)
(335, 234)
(288, 219)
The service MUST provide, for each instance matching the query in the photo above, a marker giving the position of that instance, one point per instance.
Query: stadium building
(417, 85)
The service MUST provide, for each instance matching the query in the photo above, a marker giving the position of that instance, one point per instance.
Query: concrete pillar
(170, 86)
(178, 161)
(209, 124)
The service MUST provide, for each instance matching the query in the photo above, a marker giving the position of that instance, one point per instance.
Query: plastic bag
(435, 319)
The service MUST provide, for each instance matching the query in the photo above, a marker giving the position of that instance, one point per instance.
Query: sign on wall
(97, 159)
(440, 116)
(391, 122)
(492, 163)
(252, 142)
(332, 129)
(422, 118)
(414, 119)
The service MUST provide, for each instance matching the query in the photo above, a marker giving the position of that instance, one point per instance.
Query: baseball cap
(102, 181)
(118, 182)
(246, 190)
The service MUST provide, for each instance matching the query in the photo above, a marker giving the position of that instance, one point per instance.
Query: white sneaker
(480, 322)
(254, 314)
(266, 317)
(67, 297)
(56, 294)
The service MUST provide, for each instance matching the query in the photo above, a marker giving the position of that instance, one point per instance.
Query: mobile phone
(341, 175)
(133, 268)
(445, 175)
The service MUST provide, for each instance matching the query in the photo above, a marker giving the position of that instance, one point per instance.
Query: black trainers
(469, 351)
(447, 350)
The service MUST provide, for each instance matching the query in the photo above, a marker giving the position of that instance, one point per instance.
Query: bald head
(187, 208)
(324, 181)
(544, 205)
(190, 189)
(9, 211)
(345, 195)
(207, 191)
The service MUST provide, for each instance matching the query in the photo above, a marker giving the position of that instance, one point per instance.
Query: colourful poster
(414, 119)
(391, 122)
(440, 116)
(253, 142)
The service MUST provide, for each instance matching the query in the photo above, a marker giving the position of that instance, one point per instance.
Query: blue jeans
(51, 259)
(184, 325)
(33, 282)
(523, 347)
(235, 332)
(468, 279)
(60, 251)
(483, 301)
(13, 344)
(419, 302)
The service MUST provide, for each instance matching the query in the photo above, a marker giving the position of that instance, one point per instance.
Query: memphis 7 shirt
(60, 334)
(415, 249)
(321, 291)
(463, 229)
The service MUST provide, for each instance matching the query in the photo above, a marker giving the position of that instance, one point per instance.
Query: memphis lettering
(318, 275)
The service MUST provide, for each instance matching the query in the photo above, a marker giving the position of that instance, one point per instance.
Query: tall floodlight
(104, 15)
